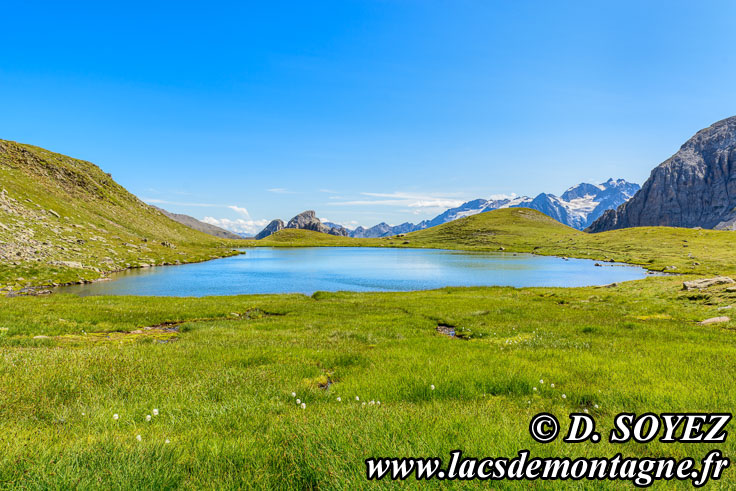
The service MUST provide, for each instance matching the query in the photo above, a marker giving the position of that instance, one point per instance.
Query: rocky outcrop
(696, 187)
(306, 220)
(271, 228)
(707, 283)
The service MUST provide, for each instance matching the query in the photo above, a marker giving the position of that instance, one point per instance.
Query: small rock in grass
(715, 320)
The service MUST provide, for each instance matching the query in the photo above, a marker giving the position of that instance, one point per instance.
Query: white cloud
(502, 196)
(346, 224)
(280, 191)
(411, 200)
(239, 225)
(240, 210)
(435, 203)
(237, 209)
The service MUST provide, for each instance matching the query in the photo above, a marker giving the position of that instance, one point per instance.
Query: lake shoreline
(305, 270)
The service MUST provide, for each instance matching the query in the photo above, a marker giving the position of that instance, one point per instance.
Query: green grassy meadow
(221, 370)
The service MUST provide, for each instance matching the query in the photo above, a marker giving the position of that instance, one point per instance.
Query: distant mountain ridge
(192, 222)
(577, 207)
(696, 187)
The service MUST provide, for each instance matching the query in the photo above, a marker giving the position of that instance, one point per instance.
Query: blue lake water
(306, 270)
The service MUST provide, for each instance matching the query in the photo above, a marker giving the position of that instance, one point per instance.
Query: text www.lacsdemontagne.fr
(641, 472)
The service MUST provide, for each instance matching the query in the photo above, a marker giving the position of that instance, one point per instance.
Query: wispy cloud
(346, 224)
(239, 225)
(280, 191)
(410, 200)
(237, 209)
(329, 191)
(240, 210)
(503, 196)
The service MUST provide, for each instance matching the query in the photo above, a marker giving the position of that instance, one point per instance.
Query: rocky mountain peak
(696, 187)
(273, 227)
(306, 220)
(580, 191)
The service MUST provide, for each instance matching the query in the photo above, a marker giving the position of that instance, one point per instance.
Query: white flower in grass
(357, 398)
(552, 385)
(298, 401)
(304, 406)
(339, 399)
(138, 437)
(372, 403)
(535, 389)
(564, 396)
(293, 394)
(155, 412)
(167, 441)
(585, 411)
(431, 387)
(541, 381)
(148, 417)
(364, 403)
(115, 416)
(378, 403)
(596, 406)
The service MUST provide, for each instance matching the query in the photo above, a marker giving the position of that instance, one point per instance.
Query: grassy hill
(65, 220)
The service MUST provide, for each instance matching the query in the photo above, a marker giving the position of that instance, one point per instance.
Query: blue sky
(365, 111)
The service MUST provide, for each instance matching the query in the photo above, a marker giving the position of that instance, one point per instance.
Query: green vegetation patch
(223, 389)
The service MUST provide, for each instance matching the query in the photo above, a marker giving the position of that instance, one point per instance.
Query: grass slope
(64, 220)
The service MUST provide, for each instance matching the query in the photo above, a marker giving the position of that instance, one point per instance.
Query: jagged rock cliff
(696, 187)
